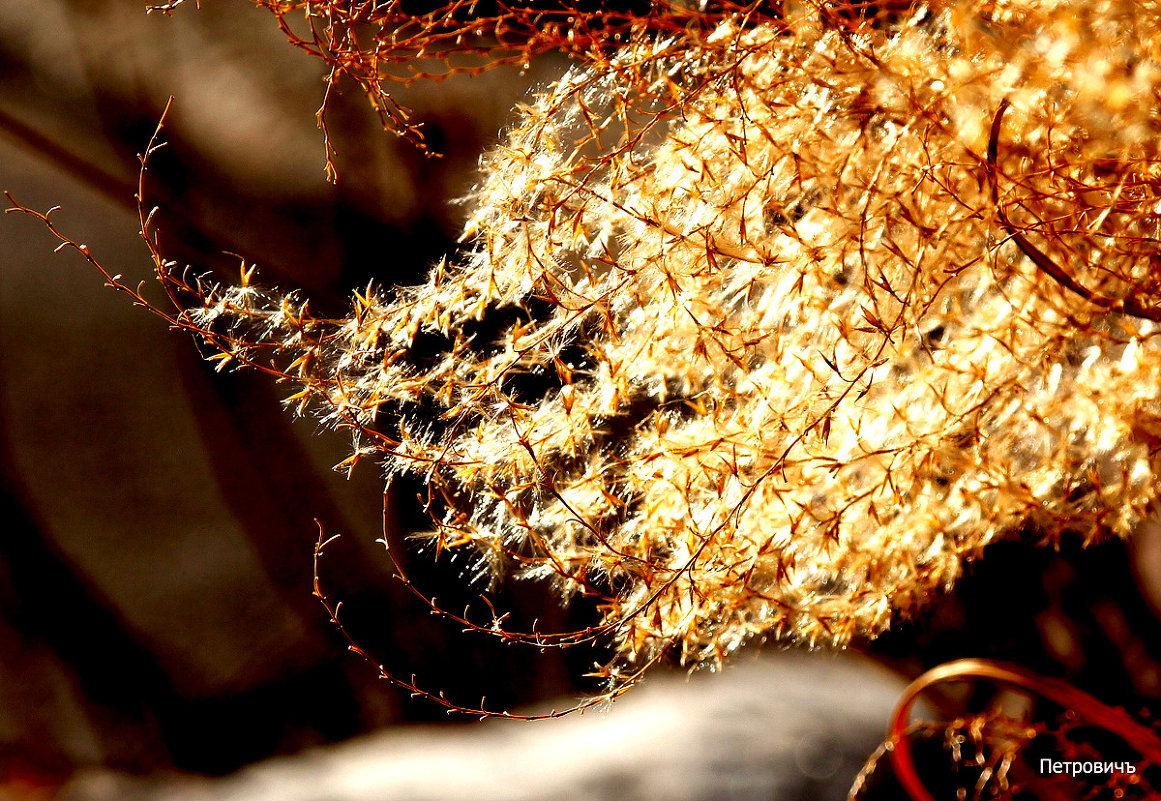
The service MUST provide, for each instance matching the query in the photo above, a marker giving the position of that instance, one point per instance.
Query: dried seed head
(740, 342)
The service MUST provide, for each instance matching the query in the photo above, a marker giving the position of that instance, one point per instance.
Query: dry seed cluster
(741, 342)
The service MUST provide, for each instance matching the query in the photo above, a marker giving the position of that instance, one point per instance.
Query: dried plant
(996, 755)
(769, 316)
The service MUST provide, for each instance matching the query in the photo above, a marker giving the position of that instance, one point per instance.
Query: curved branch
(1130, 306)
(1141, 738)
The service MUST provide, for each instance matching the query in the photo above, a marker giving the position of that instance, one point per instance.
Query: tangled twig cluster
(770, 316)
(377, 44)
(993, 754)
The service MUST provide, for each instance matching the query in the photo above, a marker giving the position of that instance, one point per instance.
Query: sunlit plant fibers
(789, 331)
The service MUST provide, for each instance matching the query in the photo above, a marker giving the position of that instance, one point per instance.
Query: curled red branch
(1139, 737)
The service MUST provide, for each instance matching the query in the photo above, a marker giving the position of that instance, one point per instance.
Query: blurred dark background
(156, 555)
(155, 571)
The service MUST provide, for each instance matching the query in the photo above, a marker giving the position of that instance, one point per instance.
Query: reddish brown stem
(1141, 738)
(1130, 306)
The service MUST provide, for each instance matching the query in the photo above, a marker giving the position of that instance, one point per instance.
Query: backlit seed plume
(765, 324)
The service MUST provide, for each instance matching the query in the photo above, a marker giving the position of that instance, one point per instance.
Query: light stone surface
(788, 726)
